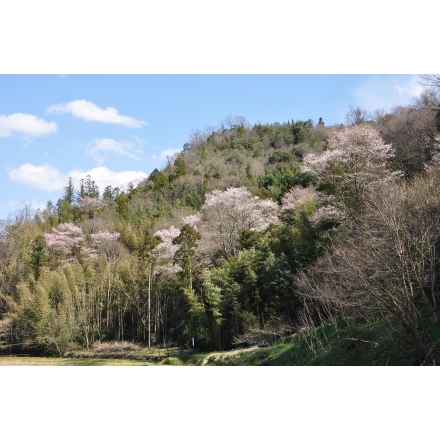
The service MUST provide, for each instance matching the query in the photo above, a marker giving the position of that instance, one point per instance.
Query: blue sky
(118, 128)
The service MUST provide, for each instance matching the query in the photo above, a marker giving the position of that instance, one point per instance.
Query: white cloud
(169, 153)
(49, 179)
(25, 124)
(387, 91)
(42, 176)
(104, 177)
(131, 149)
(88, 111)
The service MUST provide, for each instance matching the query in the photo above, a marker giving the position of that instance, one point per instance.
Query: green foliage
(187, 239)
(212, 299)
(66, 213)
(110, 194)
(278, 181)
(159, 179)
(369, 344)
(180, 167)
(88, 188)
(122, 201)
(196, 326)
(297, 240)
(38, 256)
(69, 192)
(301, 131)
(280, 156)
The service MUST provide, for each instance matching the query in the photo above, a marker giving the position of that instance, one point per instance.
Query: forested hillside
(250, 234)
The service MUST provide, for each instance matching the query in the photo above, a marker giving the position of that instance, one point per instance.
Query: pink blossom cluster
(315, 164)
(325, 214)
(361, 139)
(104, 237)
(228, 213)
(89, 203)
(355, 150)
(164, 252)
(237, 208)
(167, 236)
(89, 253)
(106, 242)
(65, 238)
(297, 196)
(192, 220)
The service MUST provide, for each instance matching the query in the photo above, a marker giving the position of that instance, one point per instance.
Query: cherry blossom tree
(163, 254)
(192, 220)
(296, 197)
(161, 261)
(355, 159)
(106, 236)
(87, 203)
(107, 243)
(66, 239)
(230, 212)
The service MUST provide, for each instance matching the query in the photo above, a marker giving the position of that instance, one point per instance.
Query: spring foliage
(249, 228)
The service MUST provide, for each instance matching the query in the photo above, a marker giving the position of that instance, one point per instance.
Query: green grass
(361, 343)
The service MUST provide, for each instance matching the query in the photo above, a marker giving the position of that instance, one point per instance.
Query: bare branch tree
(387, 261)
(356, 116)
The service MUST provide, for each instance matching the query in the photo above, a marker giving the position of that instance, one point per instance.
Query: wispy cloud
(410, 89)
(50, 179)
(130, 148)
(32, 204)
(88, 111)
(387, 91)
(25, 125)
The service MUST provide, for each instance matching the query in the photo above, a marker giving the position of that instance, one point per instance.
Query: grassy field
(365, 344)
(16, 361)
(105, 354)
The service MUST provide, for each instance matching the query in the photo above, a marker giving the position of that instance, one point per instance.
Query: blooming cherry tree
(296, 197)
(107, 243)
(355, 158)
(192, 220)
(87, 203)
(165, 251)
(66, 238)
(230, 212)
